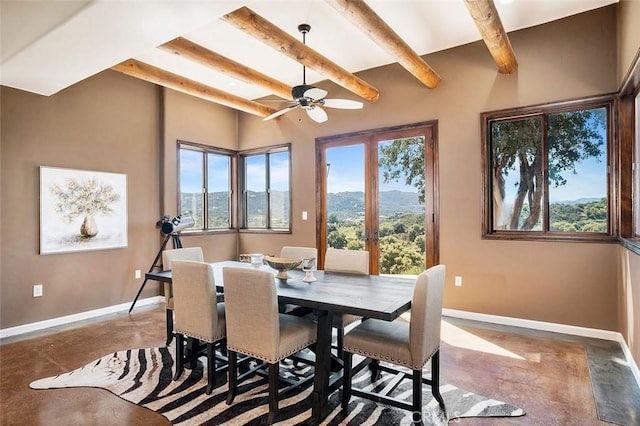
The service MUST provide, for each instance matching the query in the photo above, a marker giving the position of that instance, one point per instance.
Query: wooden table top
(371, 296)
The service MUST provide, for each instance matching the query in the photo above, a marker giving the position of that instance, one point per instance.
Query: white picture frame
(82, 210)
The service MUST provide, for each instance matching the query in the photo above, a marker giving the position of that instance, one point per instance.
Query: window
(204, 175)
(265, 180)
(546, 171)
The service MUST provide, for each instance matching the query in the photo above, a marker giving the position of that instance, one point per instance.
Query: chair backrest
(426, 314)
(168, 256)
(293, 252)
(347, 261)
(195, 300)
(186, 253)
(251, 304)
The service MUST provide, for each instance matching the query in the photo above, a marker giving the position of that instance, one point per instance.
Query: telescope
(176, 224)
(171, 228)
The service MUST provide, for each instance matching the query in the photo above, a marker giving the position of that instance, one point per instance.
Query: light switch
(304, 215)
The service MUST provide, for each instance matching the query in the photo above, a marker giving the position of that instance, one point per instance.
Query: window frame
(608, 101)
(205, 150)
(242, 201)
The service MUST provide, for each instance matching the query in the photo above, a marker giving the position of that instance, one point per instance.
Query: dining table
(331, 295)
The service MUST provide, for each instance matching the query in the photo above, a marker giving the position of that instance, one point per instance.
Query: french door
(377, 191)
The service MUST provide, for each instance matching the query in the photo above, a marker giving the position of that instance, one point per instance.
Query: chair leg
(179, 356)
(192, 351)
(435, 379)
(340, 341)
(169, 326)
(274, 372)
(417, 397)
(374, 367)
(232, 356)
(211, 367)
(347, 360)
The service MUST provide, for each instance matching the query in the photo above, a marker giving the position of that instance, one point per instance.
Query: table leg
(323, 367)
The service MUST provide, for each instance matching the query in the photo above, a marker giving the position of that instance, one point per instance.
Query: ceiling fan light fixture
(311, 98)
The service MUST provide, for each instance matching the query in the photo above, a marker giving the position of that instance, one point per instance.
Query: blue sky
(346, 171)
(589, 181)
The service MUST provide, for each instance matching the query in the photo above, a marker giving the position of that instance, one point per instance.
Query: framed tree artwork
(82, 210)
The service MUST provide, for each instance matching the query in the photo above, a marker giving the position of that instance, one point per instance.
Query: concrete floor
(549, 375)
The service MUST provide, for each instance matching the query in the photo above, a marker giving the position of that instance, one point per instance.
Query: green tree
(517, 145)
(336, 239)
(398, 257)
(404, 158)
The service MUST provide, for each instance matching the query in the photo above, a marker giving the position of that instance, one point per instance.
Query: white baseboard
(629, 357)
(68, 319)
(553, 327)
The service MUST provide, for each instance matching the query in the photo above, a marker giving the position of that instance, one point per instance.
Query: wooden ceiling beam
(256, 26)
(363, 17)
(164, 78)
(188, 49)
(487, 19)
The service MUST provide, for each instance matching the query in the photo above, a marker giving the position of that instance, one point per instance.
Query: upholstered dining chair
(168, 256)
(256, 328)
(198, 314)
(408, 345)
(297, 252)
(348, 262)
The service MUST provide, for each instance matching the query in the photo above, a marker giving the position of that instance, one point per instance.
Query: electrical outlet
(458, 281)
(304, 215)
(138, 274)
(37, 290)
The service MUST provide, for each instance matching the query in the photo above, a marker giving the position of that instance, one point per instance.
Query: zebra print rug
(144, 377)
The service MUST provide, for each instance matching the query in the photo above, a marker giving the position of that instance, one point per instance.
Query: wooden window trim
(608, 100)
(242, 214)
(208, 149)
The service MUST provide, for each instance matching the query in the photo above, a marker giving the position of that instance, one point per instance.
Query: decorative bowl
(282, 265)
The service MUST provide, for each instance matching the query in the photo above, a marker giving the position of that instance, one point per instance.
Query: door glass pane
(279, 190)
(578, 171)
(517, 174)
(256, 196)
(191, 180)
(218, 187)
(345, 197)
(401, 221)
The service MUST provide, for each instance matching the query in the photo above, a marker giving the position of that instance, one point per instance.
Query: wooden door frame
(432, 217)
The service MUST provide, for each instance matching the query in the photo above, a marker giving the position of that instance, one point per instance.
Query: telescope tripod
(175, 237)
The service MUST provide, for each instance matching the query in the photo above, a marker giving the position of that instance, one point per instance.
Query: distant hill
(578, 201)
(344, 204)
(351, 204)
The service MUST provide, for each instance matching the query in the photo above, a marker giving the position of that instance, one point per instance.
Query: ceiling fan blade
(315, 93)
(342, 103)
(282, 111)
(317, 114)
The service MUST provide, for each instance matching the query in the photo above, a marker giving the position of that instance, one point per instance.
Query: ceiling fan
(311, 98)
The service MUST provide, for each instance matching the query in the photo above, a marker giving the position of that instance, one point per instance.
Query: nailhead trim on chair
(204, 339)
(270, 361)
(391, 360)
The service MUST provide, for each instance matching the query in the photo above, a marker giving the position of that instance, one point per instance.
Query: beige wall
(628, 35)
(105, 123)
(630, 300)
(568, 283)
(192, 119)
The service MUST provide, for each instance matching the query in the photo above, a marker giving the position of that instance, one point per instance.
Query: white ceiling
(47, 46)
